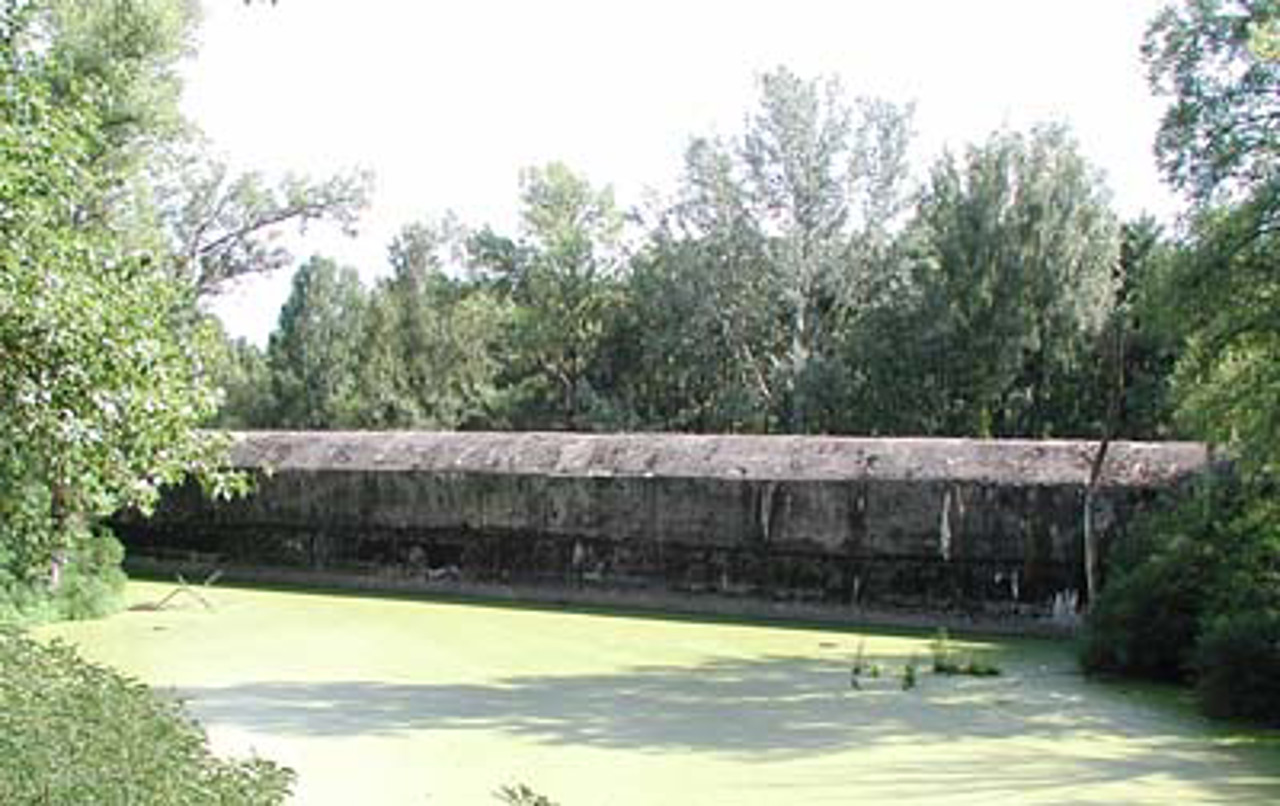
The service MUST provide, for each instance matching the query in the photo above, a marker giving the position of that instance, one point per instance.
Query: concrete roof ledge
(763, 458)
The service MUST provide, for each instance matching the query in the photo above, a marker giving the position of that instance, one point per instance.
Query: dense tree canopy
(775, 245)
(1194, 594)
(1220, 131)
(1015, 273)
(798, 281)
(561, 276)
(312, 353)
(1220, 142)
(113, 220)
(428, 351)
(101, 380)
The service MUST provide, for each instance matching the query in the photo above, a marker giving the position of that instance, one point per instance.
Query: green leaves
(1228, 297)
(223, 227)
(1221, 132)
(1194, 590)
(101, 374)
(312, 353)
(1012, 255)
(72, 732)
(562, 278)
(1220, 142)
(775, 248)
(796, 282)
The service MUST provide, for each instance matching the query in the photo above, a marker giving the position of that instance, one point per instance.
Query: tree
(101, 376)
(1228, 378)
(1220, 142)
(784, 233)
(427, 351)
(217, 226)
(561, 278)
(1147, 337)
(312, 353)
(239, 368)
(683, 344)
(825, 181)
(223, 227)
(705, 315)
(1016, 276)
(1221, 131)
(1212, 561)
(130, 51)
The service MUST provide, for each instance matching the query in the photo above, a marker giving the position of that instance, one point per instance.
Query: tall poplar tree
(778, 240)
(1015, 277)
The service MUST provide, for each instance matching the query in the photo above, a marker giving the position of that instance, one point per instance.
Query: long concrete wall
(918, 522)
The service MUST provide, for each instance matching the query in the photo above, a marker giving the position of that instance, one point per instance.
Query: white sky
(447, 101)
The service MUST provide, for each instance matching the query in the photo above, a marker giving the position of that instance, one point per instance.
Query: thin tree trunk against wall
(1090, 536)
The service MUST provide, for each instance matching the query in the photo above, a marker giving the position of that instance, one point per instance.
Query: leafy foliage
(1012, 255)
(777, 242)
(427, 349)
(130, 53)
(239, 368)
(312, 355)
(1146, 337)
(224, 226)
(562, 279)
(1148, 618)
(1238, 665)
(1221, 132)
(1194, 595)
(1220, 142)
(1229, 300)
(796, 282)
(167, 188)
(72, 732)
(101, 377)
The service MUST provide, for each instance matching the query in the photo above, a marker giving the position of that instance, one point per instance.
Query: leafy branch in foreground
(72, 732)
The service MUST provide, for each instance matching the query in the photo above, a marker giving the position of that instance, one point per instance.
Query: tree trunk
(1090, 535)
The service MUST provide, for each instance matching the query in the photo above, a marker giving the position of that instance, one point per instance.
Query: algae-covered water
(380, 701)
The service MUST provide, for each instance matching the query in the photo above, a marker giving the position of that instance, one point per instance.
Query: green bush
(1238, 665)
(1193, 595)
(89, 584)
(1163, 579)
(1147, 620)
(89, 581)
(72, 732)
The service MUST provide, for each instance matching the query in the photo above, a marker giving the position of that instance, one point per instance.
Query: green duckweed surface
(382, 701)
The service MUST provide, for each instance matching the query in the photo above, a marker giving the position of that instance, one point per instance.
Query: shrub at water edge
(72, 732)
(1238, 664)
(1194, 596)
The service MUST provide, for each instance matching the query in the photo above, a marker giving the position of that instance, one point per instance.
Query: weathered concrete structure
(933, 523)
